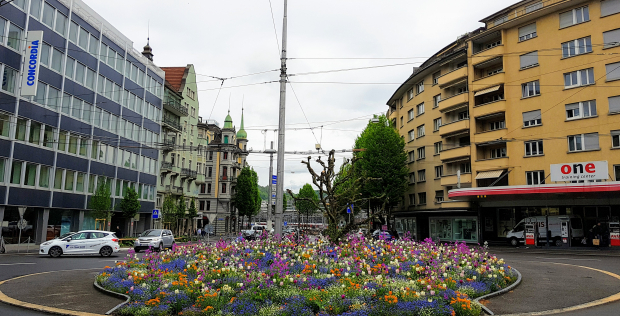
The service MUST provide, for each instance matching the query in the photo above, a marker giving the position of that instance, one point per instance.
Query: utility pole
(280, 178)
(271, 152)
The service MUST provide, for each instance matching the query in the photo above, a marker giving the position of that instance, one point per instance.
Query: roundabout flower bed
(280, 277)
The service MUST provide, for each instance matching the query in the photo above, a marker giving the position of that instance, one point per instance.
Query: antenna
(148, 31)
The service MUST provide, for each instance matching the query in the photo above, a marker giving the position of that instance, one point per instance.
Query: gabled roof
(174, 75)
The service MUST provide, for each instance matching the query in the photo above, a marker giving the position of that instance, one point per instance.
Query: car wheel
(137, 250)
(106, 251)
(172, 245)
(513, 242)
(55, 252)
(558, 242)
(161, 247)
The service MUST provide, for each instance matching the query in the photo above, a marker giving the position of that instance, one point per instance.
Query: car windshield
(65, 235)
(151, 233)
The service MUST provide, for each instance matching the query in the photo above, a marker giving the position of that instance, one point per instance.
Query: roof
(174, 75)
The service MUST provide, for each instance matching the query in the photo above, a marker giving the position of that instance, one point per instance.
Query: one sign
(30, 78)
(155, 214)
(591, 170)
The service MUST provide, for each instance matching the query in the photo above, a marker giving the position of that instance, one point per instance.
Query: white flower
(176, 291)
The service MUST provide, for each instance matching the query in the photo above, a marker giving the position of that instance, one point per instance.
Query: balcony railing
(176, 106)
(188, 173)
(166, 166)
(172, 123)
(168, 145)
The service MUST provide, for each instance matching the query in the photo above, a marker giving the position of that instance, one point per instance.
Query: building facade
(95, 117)
(486, 118)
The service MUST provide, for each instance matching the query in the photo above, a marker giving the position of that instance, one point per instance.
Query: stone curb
(114, 294)
(51, 310)
(502, 291)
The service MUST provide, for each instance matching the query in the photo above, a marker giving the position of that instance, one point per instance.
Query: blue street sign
(274, 177)
(274, 181)
(273, 196)
(155, 214)
(284, 223)
(348, 210)
(351, 205)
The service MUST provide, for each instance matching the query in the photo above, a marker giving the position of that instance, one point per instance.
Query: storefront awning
(562, 191)
(488, 90)
(489, 174)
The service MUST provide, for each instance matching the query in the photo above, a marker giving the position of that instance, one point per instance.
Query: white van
(517, 234)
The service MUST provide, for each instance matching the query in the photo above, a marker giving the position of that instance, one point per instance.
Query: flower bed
(271, 277)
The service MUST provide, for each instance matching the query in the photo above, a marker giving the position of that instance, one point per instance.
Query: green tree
(129, 205)
(169, 211)
(192, 213)
(180, 214)
(382, 156)
(308, 201)
(246, 193)
(101, 202)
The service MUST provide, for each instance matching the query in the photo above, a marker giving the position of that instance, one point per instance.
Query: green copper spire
(241, 134)
(228, 121)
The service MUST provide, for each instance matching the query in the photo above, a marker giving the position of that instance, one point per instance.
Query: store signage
(591, 170)
(30, 75)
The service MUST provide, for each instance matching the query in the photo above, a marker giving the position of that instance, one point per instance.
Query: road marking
(567, 259)
(15, 264)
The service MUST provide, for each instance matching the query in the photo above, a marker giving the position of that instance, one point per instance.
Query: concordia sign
(592, 170)
(30, 75)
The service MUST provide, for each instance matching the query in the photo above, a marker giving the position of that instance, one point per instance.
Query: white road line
(567, 259)
(15, 264)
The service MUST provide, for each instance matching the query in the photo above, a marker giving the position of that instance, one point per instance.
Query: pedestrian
(119, 232)
(199, 232)
(204, 232)
(598, 234)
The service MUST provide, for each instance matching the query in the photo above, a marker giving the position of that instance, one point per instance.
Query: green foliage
(181, 207)
(193, 212)
(129, 205)
(247, 192)
(101, 201)
(264, 192)
(384, 159)
(306, 207)
(169, 209)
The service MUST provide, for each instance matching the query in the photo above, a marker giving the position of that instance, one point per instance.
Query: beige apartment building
(500, 123)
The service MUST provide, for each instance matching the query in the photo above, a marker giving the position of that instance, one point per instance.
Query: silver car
(158, 239)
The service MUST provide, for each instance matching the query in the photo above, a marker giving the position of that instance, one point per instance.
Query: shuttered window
(613, 71)
(532, 118)
(609, 7)
(574, 16)
(614, 104)
(529, 59)
(527, 32)
(611, 38)
(591, 141)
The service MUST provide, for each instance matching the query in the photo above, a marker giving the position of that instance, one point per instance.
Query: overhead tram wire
(303, 112)
(273, 21)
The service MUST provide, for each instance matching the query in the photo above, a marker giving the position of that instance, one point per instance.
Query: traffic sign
(155, 214)
(22, 223)
(274, 177)
(284, 223)
(348, 210)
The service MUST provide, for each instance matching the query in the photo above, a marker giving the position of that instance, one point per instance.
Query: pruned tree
(336, 192)
(101, 202)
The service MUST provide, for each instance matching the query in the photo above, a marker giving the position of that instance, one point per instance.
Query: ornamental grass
(282, 277)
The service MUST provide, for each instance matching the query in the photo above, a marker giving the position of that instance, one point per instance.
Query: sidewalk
(577, 251)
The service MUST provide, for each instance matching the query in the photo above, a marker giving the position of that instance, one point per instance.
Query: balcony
(453, 77)
(452, 179)
(172, 124)
(451, 102)
(166, 167)
(226, 178)
(453, 153)
(188, 173)
(488, 136)
(454, 127)
(168, 145)
(487, 54)
(175, 107)
(491, 164)
(489, 81)
(200, 179)
(489, 108)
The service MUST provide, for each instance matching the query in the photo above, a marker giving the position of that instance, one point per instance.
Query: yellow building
(486, 117)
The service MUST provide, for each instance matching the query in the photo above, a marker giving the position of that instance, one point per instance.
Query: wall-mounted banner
(30, 74)
(591, 170)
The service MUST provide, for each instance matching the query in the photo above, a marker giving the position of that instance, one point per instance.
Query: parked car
(254, 232)
(83, 242)
(382, 234)
(360, 232)
(158, 239)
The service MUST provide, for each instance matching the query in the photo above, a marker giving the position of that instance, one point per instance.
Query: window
(463, 115)
(436, 77)
(532, 118)
(574, 16)
(421, 175)
(410, 94)
(15, 37)
(579, 78)
(223, 187)
(422, 198)
(410, 115)
(48, 15)
(421, 152)
(533, 7)
(69, 179)
(411, 156)
(534, 148)
(497, 125)
(583, 142)
(58, 179)
(436, 100)
(498, 152)
(44, 177)
(577, 47)
(527, 32)
(420, 108)
(420, 87)
(16, 172)
(411, 135)
(421, 131)
(5, 125)
(529, 60)
(438, 172)
(439, 196)
(438, 147)
(35, 133)
(61, 23)
(20, 129)
(500, 20)
(30, 174)
(436, 124)
(412, 177)
(412, 199)
(609, 7)
(616, 171)
(612, 71)
(535, 177)
(530, 89)
(8, 79)
(581, 110)
(615, 139)
(402, 121)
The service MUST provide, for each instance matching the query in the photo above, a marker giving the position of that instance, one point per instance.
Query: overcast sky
(236, 37)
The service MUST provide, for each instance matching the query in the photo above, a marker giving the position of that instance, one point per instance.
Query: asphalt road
(13, 265)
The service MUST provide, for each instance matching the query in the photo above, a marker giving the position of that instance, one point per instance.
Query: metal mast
(280, 164)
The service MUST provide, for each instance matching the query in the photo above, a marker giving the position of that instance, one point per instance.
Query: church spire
(241, 134)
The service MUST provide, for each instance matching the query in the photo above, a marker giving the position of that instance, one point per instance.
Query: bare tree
(337, 190)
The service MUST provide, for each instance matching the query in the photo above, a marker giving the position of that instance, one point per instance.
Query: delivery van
(517, 234)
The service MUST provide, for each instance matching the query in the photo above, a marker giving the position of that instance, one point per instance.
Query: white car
(158, 239)
(82, 243)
